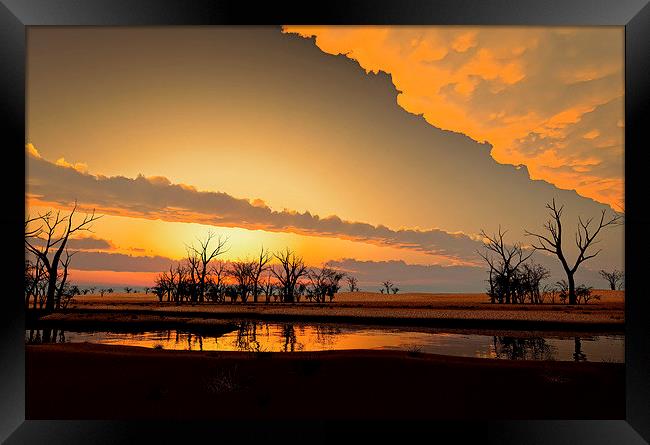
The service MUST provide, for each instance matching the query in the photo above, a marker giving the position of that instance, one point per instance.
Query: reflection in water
(260, 336)
(518, 348)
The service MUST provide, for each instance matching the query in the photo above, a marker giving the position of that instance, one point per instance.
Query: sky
(383, 151)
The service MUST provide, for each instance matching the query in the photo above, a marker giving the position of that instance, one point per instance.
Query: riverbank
(122, 382)
(550, 317)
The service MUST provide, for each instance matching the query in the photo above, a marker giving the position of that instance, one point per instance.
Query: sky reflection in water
(277, 337)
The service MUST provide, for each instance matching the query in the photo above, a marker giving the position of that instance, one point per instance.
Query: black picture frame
(16, 15)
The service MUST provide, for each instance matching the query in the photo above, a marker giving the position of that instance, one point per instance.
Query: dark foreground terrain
(89, 381)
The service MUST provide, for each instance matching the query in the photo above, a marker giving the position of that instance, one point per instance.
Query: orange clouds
(79, 166)
(56, 185)
(504, 85)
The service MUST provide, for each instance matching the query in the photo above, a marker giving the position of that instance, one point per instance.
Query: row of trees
(201, 277)
(514, 279)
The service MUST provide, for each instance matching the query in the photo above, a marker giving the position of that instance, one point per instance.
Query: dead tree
(352, 283)
(217, 285)
(509, 259)
(388, 285)
(288, 272)
(35, 283)
(324, 282)
(61, 288)
(54, 231)
(614, 278)
(202, 255)
(242, 273)
(256, 274)
(269, 287)
(531, 277)
(585, 238)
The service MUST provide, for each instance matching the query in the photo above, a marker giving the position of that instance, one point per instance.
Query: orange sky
(474, 79)
(272, 121)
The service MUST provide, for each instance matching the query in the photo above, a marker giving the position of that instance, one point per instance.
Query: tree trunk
(51, 290)
(572, 289)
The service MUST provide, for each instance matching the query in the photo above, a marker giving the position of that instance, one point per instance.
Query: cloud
(79, 166)
(83, 243)
(32, 151)
(158, 198)
(118, 262)
(413, 277)
(502, 85)
(437, 278)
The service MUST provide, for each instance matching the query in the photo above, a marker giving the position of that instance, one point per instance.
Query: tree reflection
(518, 348)
(325, 334)
(246, 338)
(289, 336)
(38, 336)
(578, 355)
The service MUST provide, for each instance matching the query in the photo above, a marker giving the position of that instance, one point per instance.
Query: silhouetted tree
(216, 282)
(614, 278)
(388, 285)
(585, 238)
(128, 289)
(54, 230)
(352, 283)
(256, 273)
(202, 255)
(269, 287)
(324, 282)
(242, 273)
(503, 269)
(288, 272)
(531, 276)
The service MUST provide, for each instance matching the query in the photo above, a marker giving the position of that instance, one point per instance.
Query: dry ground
(607, 296)
(451, 310)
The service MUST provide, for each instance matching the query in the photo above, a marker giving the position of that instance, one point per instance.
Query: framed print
(376, 219)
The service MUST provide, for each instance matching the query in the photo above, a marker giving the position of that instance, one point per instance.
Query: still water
(277, 337)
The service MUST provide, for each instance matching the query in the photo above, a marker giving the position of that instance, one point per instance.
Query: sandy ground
(450, 310)
(603, 321)
(121, 382)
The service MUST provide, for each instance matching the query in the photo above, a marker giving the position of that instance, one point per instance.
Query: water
(277, 337)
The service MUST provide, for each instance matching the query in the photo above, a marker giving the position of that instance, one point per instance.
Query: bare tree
(54, 231)
(259, 267)
(179, 283)
(585, 238)
(203, 254)
(324, 282)
(269, 287)
(217, 284)
(63, 278)
(242, 272)
(288, 272)
(388, 285)
(509, 259)
(614, 278)
(352, 283)
(35, 282)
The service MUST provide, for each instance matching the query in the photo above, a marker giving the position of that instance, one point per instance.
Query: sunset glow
(386, 148)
